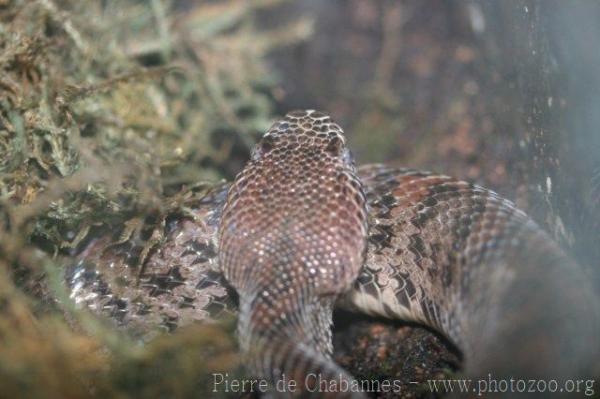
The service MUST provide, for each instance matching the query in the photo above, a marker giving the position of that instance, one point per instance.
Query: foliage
(109, 110)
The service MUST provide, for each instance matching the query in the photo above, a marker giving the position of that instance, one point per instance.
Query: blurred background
(109, 109)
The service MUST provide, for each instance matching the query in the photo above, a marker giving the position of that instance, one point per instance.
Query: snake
(302, 231)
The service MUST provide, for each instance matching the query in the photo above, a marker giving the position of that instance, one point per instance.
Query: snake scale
(301, 230)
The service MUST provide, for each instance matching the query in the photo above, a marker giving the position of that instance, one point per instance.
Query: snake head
(296, 211)
(310, 132)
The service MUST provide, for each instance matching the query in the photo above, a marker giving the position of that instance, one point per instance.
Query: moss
(109, 110)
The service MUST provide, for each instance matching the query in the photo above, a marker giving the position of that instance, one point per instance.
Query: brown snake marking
(446, 253)
(180, 283)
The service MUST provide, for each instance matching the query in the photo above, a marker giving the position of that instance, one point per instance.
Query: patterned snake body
(459, 258)
(290, 237)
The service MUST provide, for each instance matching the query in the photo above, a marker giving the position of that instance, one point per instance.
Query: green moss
(108, 111)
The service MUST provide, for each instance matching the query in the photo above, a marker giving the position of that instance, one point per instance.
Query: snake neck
(265, 317)
(292, 343)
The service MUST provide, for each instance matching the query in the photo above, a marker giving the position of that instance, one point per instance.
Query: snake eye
(335, 146)
(264, 146)
(267, 144)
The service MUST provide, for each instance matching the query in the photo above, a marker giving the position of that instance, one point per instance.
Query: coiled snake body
(301, 231)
